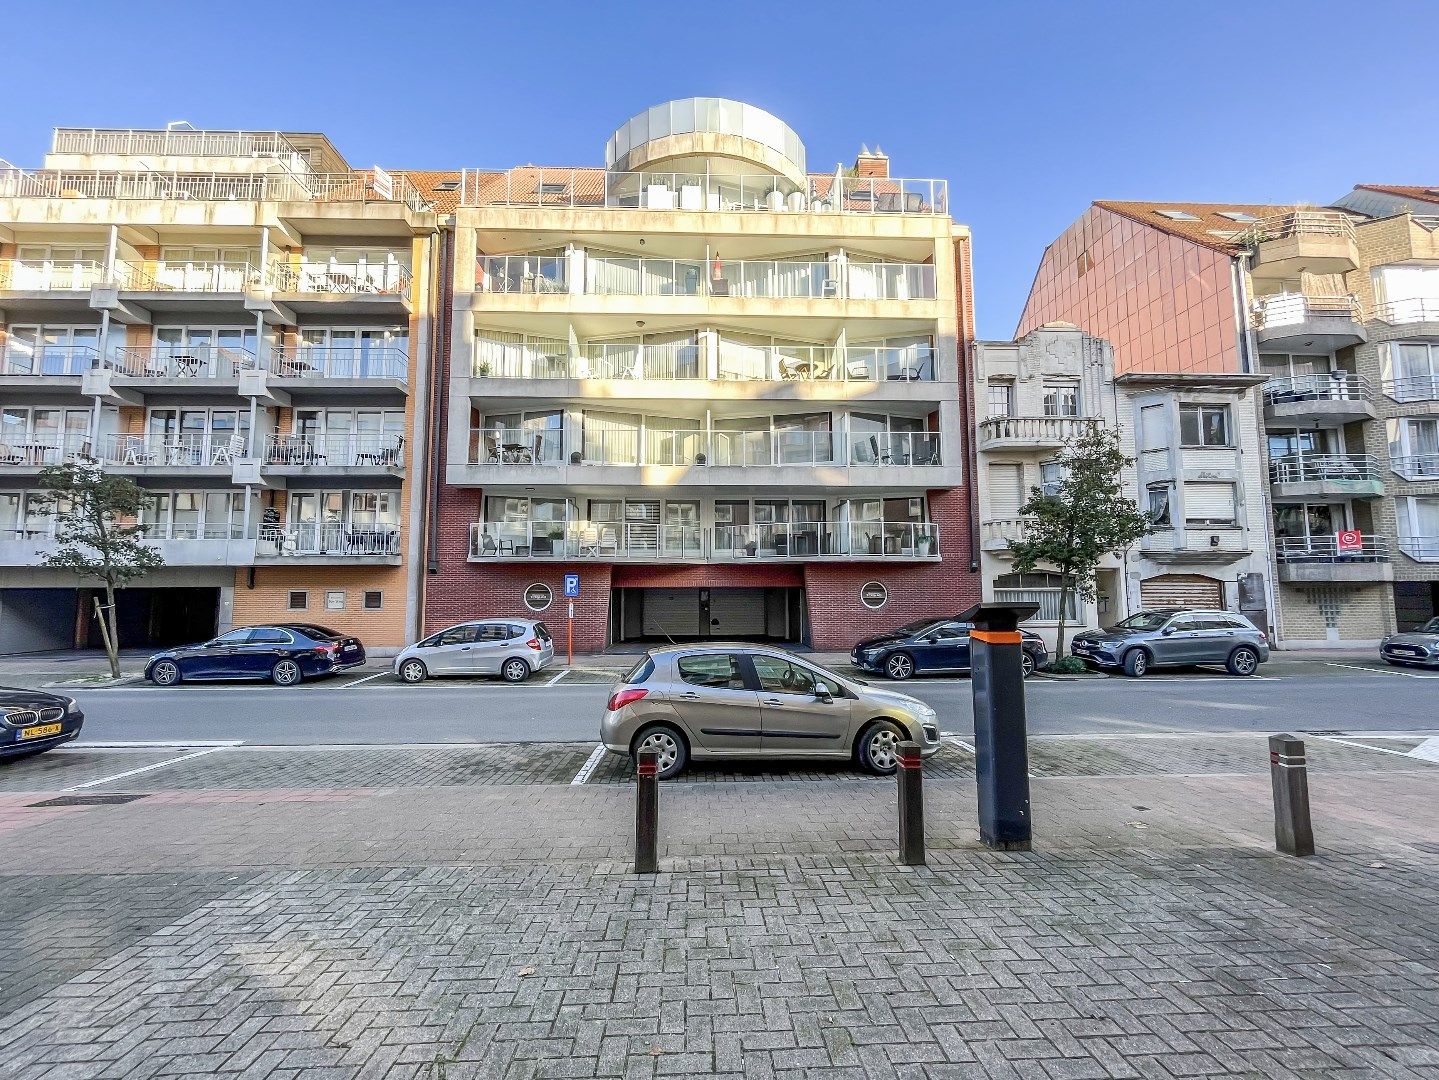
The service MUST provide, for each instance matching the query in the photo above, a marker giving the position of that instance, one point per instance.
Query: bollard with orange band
(1001, 752)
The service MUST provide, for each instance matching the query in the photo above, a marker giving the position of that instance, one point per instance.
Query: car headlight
(71, 706)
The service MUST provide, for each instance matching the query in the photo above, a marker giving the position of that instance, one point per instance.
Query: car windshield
(1431, 627)
(914, 627)
(1144, 620)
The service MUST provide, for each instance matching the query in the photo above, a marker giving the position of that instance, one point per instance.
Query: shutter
(671, 613)
(736, 612)
(1209, 502)
(1006, 491)
(1181, 590)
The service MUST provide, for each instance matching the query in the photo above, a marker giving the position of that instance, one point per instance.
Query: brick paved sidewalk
(444, 931)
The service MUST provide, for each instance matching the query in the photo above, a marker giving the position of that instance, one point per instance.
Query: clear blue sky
(1030, 109)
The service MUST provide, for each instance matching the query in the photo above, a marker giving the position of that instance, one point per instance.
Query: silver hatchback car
(739, 701)
(1175, 637)
(513, 649)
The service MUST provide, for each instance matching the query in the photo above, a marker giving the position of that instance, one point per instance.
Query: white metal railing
(879, 363)
(335, 450)
(1298, 223)
(516, 446)
(526, 274)
(362, 279)
(1294, 309)
(1040, 429)
(214, 277)
(302, 538)
(1047, 599)
(1002, 530)
(152, 184)
(1415, 466)
(1396, 312)
(1413, 388)
(37, 449)
(50, 276)
(655, 541)
(1420, 548)
(179, 449)
(36, 530)
(1317, 468)
(1325, 548)
(339, 362)
(130, 142)
(1330, 386)
(698, 191)
(894, 448)
(181, 362)
(616, 360)
(49, 359)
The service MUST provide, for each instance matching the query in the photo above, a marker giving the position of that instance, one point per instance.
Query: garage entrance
(708, 614)
(1181, 590)
(42, 620)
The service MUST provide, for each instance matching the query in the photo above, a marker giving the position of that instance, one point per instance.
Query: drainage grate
(88, 800)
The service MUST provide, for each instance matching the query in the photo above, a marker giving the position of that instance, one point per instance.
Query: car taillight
(620, 698)
(534, 643)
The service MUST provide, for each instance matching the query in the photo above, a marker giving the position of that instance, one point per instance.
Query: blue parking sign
(572, 584)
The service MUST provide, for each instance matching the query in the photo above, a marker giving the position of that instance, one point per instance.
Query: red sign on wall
(1350, 542)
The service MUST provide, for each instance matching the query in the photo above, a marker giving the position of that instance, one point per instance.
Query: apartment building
(234, 319)
(1198, 474)
(1327, 304)
(717, 390)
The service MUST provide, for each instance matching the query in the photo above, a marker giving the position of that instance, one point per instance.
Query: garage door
(672, 613)
(1181, 590)
(736, 612)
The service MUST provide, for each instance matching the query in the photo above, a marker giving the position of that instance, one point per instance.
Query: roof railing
(1298, 223)
(277, 186)
(179, 142)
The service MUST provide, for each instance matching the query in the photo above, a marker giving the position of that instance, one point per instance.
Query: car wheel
(413, 671)
(1136, 663)
(879, 747)
(165, 673)
(285, 673)
(1026, 662)
(667, 742)
(900, 666)
(1243, 661)
(515, 670)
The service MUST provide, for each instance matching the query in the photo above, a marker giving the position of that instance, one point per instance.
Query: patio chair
(10, 456)
(491, 546)
(609, 541)
(590, 541)
(225, 453)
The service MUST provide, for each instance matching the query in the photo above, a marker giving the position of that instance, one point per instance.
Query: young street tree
(93, 542)
(1084, 518)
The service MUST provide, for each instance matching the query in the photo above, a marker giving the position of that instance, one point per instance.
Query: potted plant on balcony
(925, 545)
(483, 368)
(751, 548)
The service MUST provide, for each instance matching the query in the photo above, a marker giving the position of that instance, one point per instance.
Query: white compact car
(513, 649)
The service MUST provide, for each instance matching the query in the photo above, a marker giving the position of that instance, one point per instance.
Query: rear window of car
(542, 631)
(719, 671)
(640, 672)
(315, 631)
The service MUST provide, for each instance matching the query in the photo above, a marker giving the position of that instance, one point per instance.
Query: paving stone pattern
(1049, 966)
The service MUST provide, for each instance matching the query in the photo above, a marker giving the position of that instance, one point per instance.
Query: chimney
(871, 162)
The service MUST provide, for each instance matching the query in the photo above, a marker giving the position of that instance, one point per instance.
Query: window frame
(737, 673)
(1199, 409)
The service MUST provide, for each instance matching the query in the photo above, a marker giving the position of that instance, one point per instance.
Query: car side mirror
(1166, 631)
(821, 693)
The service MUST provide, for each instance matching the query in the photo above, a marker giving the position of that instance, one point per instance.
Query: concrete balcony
(1415, 467)
(21, 547)
(1312, 241)
(614, 541)
(133, 374)
(1204, 544)
(1341, 476)
(1294, 322)
(1423, 549)
(1331, 400)
(318, 376)
(996, 533)
(1032, 432)
(190, 455)
(328, 544)
(374, 456)
(335, 289)
(1319, 559)
(1413, 388)
(26, 453)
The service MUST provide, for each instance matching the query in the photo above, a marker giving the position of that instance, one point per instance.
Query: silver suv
(739, 701)
(1175, 637)
(513, 649)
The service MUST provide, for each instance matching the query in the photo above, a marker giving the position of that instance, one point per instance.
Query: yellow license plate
(41, 730)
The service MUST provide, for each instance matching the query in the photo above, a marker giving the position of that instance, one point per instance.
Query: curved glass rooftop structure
(720, 116)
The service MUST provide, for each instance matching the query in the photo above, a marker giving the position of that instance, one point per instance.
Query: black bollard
(1289, 774)
(647, 812)
(911, 804)
(1001, 751)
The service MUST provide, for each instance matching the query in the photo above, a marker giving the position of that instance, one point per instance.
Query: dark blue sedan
(32, 721)
(284, 653)
(933, 645)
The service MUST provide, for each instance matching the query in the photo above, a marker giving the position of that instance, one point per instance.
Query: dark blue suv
(284, 653)
(932, 645)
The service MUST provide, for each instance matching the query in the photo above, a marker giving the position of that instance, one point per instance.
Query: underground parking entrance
(647, 614)
(47, 619)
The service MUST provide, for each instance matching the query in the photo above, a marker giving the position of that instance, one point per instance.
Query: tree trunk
(1059, 652)
(112, 639)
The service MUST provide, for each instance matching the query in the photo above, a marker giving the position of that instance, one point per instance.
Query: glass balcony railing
(343, 451)
(736, 362)
(338, 362)
(522, 274)
(693, 447)
(652, 541)
(30, 359)
(329, 538)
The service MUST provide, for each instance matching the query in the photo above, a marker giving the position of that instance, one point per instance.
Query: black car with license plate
(932, 645)
(32, 721)
(283, 653)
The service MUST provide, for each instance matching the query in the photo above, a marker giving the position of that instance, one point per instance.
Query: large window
(1204, 425)
(1407, 293)
(1001, 398)
(1411, 370)
(1160, 498)
(1061, 399)
(530, 438)
(1414, 447)
(52, 350)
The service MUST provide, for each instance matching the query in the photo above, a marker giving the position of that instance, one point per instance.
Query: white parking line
(367, 678)
(149, 768)
(558, 677)
(1361, 746)
(588, 767)
(1378, 671)
(955, 740)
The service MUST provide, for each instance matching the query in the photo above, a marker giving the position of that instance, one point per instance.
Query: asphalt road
(360, 709)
